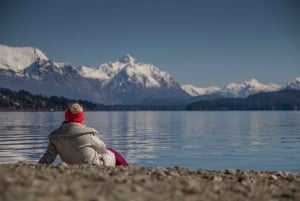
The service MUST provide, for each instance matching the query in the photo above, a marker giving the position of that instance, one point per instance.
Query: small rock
(273, 177)
(62, 166)
(22, 163)
(230, 171)
(217, 178)
(172, 173)
(191, 187)
(9, 180)
(137, 188)
(241, 178)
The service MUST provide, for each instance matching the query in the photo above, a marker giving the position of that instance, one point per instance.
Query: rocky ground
(31, 182)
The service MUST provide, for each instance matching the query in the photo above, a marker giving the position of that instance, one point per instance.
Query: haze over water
(207, 140)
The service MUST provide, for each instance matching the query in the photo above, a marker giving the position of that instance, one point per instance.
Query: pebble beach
(33, 182)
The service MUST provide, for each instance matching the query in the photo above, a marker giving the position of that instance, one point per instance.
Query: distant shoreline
(23, 181)
(3, 110)
(284, 100)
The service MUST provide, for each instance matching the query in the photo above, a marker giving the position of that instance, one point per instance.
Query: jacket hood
(71, 129)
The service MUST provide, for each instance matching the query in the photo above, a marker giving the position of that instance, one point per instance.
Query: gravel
(33, 182)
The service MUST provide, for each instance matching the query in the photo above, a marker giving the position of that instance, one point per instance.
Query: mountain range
(241, 90)
(126, 81)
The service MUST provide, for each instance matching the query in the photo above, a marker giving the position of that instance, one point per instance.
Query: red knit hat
(74, 113)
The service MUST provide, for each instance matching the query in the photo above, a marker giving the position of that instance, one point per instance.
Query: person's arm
(98, 145)
(50, 154)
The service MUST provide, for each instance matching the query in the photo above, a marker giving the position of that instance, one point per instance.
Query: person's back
(76, 143)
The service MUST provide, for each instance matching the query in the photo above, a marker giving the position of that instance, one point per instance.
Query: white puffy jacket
(76, 143)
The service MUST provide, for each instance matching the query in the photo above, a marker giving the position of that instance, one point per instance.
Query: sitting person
(76, 143)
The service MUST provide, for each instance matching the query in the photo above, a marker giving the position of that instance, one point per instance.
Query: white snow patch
(198, 91)
(233, 89)
(248, 88)
(19, 58)
(294, 84)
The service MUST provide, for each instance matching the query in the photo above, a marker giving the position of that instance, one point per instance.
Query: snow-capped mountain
(130, 81)
(235, 90)
(30, 69)
(248, 88)
(145, 74)
(125, 81)
(295, 84)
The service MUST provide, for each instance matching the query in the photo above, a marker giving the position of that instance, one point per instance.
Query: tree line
(22, 100)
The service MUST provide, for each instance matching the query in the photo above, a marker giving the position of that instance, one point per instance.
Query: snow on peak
(107, 70)
(252, 82)
(294, 84)
(233, 89)
(127, 58)
(198, 91)
(148, 75)
(91, 72)
(19, 58)
(135, 72)
(39, 54)
(248, 88)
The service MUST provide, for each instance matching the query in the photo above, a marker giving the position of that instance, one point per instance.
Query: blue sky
(200, 42)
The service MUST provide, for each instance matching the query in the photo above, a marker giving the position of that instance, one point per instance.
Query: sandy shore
(31, 182)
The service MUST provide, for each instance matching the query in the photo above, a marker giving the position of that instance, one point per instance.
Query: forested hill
(23, 100)
(287, 99)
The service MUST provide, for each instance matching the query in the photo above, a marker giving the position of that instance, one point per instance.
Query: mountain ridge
(125, 81)
(236, 90)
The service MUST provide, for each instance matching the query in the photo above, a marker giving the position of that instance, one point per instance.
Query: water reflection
(24, 135)
(208, 140)
(137, 135)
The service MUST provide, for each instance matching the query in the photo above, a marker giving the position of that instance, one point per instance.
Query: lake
(192, 139)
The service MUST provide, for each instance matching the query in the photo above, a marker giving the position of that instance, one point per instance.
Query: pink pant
(120, 161)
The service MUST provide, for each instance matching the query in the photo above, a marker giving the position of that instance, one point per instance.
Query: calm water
(206, 140)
